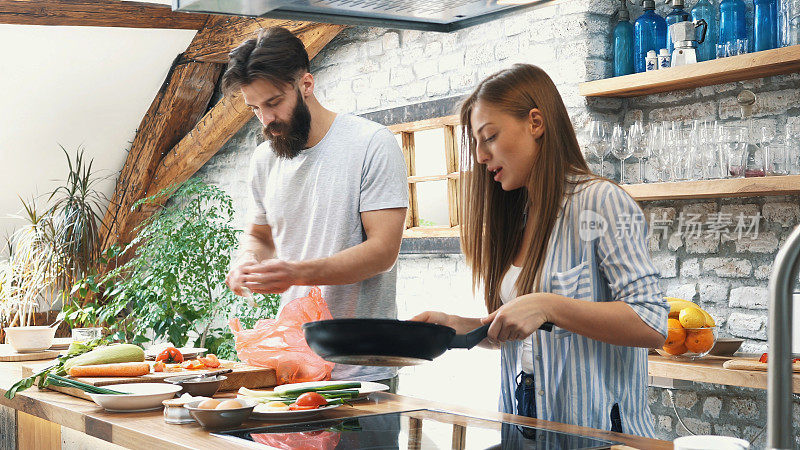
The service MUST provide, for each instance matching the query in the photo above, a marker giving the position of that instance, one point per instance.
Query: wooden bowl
(726, 346)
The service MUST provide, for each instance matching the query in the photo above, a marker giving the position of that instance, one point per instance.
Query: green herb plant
(174, 285)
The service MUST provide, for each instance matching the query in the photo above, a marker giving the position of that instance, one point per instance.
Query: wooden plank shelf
(724, 70)
(732, 187)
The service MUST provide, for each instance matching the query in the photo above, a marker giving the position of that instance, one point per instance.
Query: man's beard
(292, 137)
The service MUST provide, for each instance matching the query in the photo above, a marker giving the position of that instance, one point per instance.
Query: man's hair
(276, 55)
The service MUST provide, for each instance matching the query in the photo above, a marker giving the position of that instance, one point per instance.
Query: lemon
(709, 320)
(692, 317)
(676, 306)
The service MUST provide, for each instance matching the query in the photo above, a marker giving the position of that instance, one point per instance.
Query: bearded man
(329, 193)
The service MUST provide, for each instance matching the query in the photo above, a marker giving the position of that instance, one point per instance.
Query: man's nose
(266, 118)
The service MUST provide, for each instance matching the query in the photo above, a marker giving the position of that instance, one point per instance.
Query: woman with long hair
(551, 242)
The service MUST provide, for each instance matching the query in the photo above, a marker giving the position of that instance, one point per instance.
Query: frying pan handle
(475, 336)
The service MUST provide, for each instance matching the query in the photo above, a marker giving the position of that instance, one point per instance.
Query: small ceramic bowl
(30, 339)
(221, 418)
(174, 411)
(203, 387)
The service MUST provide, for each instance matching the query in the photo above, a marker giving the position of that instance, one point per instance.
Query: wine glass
(620, 149)
(637, 143)
(597, 141)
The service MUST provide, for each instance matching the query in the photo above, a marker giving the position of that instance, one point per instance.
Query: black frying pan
(387, 342)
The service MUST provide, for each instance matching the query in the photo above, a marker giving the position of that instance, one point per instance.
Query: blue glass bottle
(623, 42)
(649, 33)
(732, 24)
(705, 10)
(678, 14)
(765, 25)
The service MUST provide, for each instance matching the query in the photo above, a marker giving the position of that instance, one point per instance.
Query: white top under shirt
(507, 293)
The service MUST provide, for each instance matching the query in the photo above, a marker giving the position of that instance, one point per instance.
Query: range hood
(426, 15)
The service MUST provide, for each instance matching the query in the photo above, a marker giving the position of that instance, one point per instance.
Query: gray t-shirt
(313, 203)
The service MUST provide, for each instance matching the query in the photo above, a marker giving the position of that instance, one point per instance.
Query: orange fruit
(677, 349)
(675, 332)
(699, 341)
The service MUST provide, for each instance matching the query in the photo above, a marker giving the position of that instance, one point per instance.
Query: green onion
(66, 382)
(322, 389)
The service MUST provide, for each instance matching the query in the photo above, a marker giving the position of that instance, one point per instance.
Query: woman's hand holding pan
(519, 318)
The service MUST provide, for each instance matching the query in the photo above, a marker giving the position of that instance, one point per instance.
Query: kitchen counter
(39, 414)
(709, 370)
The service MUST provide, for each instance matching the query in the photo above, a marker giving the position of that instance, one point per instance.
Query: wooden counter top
(148, 429)
(710, 370)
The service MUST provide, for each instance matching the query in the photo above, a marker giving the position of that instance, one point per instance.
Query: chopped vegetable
(192, 364)
(311, 399)
(763, 358)
(210, 361)
(170, 355)
(130, 369)
(159, 366)
(330, 387)
(296, 407)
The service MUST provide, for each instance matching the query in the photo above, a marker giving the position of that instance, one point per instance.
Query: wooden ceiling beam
(178, 105)
(97, 13)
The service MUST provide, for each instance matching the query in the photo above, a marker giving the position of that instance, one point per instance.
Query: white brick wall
(370, 69)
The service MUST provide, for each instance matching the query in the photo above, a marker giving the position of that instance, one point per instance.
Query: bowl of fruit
(691, 331)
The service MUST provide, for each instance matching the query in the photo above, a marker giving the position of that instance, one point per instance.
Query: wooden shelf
(733, 187)
(710, 370)
(724, 70)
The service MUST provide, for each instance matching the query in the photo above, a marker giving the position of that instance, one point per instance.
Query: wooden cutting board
(8, 354)
(752, 364)
(243, 375)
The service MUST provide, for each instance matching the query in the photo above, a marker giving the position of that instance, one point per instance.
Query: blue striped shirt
(597, 252)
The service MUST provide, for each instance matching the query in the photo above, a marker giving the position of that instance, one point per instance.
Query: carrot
(129, 369)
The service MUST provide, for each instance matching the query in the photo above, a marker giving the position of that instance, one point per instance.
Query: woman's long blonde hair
(493, 220)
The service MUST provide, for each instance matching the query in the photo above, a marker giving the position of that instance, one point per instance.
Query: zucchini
(118, 353)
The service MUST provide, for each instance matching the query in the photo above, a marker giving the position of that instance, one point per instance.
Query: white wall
(73, 86)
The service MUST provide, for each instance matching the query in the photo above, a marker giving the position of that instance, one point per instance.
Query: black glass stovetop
(418, 429)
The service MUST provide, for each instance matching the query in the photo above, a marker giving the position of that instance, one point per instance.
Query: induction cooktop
(417, 429)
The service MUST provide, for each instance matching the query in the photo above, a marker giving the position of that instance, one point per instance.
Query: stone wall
(370, 69)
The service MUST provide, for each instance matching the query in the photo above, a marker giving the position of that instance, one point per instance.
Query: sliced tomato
(311, 399)
(296, 407)
(159, 366)
(210, 361)
(192, 364)
(763, 358)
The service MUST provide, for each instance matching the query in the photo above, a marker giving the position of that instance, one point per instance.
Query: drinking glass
(735, 141)
(776, 158)
(597, 141)
(792, 142)
(619, 148)
(655, 150)
(637, 145)
(741, 46)
(722, 50)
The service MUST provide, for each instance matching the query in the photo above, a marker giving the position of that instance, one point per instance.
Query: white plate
(289, 415)
(367, 387)
(187, 352)
(140, 397)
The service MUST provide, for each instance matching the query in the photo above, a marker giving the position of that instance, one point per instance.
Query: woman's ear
(536, 123)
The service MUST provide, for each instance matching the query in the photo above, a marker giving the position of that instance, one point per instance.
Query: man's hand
(235, 278)
(271, 276)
